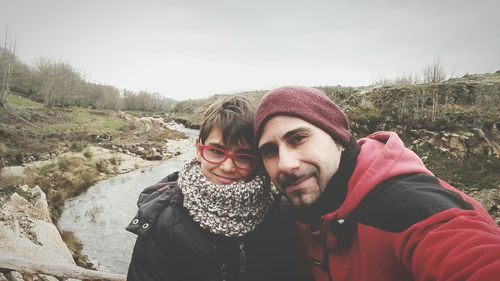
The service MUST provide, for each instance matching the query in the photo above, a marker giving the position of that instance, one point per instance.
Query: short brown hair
(234, 115)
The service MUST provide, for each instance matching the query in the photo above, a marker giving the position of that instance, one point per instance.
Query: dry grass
(67, 177)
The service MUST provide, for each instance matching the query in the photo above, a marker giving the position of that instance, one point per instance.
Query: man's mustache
(288, 179)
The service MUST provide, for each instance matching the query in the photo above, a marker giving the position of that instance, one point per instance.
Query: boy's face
(225, 172)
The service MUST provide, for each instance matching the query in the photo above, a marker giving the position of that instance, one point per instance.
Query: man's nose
(227, 165)
(288, 161)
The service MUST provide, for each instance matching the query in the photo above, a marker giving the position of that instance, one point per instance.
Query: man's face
(299, 157)
(225, 172)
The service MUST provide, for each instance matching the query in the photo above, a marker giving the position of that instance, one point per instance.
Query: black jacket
(171, 246)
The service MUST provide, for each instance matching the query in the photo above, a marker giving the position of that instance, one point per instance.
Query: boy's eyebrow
(244, 150)
(217, 145)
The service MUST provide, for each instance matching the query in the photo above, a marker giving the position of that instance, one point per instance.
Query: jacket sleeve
(151, 258)
(452, 245)
(439, 232)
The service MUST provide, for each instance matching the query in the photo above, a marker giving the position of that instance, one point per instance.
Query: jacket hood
(152, 201)
(382, 156)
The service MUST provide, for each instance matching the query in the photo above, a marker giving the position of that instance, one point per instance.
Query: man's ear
(196, 146)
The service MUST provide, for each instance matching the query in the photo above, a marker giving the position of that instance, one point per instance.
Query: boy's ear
(196, 145)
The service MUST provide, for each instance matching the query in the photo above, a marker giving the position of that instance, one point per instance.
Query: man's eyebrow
(291, 133)
(265, 146)
(287, 135)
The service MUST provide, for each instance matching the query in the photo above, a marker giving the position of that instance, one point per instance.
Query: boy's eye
(216, 152)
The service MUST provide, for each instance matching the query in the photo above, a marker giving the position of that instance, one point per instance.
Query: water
(99, 216)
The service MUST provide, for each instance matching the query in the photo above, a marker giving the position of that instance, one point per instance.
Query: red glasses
(216, 155)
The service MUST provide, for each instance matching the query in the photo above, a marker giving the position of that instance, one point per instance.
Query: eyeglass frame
(227, 154)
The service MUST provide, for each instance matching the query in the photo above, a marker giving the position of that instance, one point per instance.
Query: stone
(44, 277)
(17, 205)
(14, 276)
(26, 231)
(456, 144)
(40, 207)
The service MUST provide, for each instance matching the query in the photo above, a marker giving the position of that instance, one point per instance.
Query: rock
(14, 276)
(44, 277)
(442, 149)
(40, 207)
(17, 205)
(27, 232)
(456, 144)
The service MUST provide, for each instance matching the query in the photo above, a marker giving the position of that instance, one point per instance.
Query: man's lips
(297, 184)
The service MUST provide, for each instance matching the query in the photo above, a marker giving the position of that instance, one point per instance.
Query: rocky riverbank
(27, 231)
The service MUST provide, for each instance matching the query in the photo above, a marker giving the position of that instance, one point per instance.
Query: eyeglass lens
(218, 156)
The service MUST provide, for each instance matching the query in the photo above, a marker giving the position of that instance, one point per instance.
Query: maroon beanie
(309, 104)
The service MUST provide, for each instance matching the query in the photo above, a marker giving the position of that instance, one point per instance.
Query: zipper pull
(223, 271)
(243, 258)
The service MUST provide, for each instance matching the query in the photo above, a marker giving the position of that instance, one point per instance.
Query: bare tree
(57, 81)
(404, 79)
(7, 58)
(434, 73)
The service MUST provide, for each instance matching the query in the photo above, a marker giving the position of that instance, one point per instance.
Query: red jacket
(399, 222)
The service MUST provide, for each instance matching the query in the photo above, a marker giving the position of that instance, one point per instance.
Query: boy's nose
(227, 165)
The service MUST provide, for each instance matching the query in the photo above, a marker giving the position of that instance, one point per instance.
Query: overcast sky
(193, 49)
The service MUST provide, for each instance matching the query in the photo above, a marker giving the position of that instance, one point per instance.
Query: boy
(217, 218)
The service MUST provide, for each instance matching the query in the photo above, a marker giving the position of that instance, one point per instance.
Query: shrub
(103, 166)
(77, 146)
(46, 169)
(88, 154)
(71, 241)
(115, 160)
(63, 164)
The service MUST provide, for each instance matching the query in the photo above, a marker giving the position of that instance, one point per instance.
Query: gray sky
(193, 49)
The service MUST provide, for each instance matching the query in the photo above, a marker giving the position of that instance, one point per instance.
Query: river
(99, 216)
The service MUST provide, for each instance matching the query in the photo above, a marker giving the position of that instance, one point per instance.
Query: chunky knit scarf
(231, 210)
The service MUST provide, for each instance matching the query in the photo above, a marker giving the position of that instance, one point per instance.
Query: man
(369, 209)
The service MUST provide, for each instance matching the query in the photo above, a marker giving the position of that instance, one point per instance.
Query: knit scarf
(231, 210)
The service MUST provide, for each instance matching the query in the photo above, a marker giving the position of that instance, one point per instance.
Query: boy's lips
(225, 179)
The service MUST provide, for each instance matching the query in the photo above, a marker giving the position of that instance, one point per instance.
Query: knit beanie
(309, 104)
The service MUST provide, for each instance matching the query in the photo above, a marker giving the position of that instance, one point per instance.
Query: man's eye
(297, 139)
(268, 151)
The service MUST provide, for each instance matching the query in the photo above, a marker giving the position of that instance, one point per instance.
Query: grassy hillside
(30, 132)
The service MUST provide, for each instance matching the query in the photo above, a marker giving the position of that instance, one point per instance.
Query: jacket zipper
(325, 263)
(222, 266)
(243, 258)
